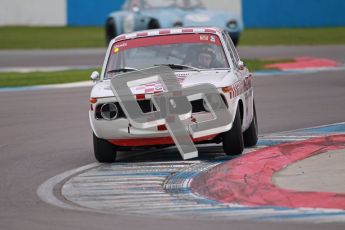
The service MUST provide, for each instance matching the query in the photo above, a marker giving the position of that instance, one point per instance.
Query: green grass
(255, 64)
(89, 37)
(45, 78)
(51, 37)
(305, 36)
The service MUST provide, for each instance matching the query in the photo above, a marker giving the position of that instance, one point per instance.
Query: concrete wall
(234, 6)
(33, 12)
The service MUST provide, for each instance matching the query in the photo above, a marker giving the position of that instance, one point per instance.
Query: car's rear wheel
(233, 139)
(110, 30)
(250, 136)
(104, 151)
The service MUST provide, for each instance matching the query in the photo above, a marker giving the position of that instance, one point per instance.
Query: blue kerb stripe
(336, 128)
(302, 215)
(270, 142)
(234, 209)
(20, 88)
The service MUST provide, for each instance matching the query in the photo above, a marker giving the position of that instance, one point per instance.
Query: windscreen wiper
(125, 69)
(179, 66)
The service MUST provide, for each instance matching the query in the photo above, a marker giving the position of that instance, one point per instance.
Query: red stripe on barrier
(247, 180)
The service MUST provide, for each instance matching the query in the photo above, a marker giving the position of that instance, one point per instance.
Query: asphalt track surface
(44, 133)
(94, 57)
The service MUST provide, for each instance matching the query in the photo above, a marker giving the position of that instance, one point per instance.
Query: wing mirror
(241, 65)
(94, 76)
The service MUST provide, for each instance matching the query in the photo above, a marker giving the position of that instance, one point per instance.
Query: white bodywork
(234, 84)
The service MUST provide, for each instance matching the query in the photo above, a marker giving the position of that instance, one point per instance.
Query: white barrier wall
(33, 12)
(234, 6)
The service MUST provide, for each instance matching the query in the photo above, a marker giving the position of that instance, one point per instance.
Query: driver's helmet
(205, 57)
(208, 50)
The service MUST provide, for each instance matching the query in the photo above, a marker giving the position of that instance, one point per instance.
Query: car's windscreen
(149, 4)
(180, 52)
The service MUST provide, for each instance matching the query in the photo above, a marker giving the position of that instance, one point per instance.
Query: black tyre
(153, 24)
(110, 30)
(105, 152)
(250, 136)
(233, 139)
(235, 40)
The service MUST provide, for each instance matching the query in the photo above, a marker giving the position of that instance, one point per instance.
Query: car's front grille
(147, 106)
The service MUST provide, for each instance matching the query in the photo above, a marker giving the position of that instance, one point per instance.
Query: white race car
(196, 55)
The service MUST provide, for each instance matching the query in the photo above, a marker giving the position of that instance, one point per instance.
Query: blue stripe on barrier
(90, 12)
(263, 13)
(293, 13)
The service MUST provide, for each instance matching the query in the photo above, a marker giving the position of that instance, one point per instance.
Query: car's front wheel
(104, 151)
(233, 139)
(250, 136)
(235, 40)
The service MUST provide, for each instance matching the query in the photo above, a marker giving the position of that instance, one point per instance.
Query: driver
(205, 58)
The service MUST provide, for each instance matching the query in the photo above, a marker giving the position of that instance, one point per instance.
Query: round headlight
(109, 111)
(232, 24)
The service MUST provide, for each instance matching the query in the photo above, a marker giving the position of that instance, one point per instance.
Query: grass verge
(300, 36)
(256, 64)
(51, 37)
(12, 79)
(43, 78)
(93, 37)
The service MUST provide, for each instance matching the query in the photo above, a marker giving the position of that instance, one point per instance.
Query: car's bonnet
(217, 78)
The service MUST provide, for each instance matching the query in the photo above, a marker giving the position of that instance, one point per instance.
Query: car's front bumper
(121, 133)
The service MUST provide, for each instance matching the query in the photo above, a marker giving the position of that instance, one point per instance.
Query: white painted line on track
(46, 190)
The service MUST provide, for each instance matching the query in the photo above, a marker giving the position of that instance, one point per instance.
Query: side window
(237, 58)
(233, 59)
